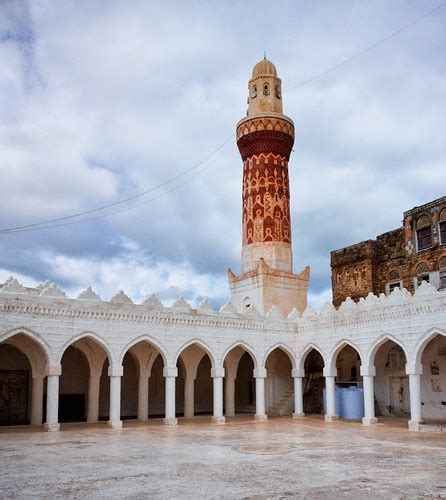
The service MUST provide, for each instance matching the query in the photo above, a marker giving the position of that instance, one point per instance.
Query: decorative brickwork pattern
(266, 209)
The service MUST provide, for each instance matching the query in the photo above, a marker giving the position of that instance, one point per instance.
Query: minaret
(265, 138)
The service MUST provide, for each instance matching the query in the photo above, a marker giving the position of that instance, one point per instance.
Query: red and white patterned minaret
(265, 138)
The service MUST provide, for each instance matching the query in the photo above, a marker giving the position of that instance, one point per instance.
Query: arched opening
(391, 384)
(129, 387)
(313, 383)
(22, 381)
(433, 380)
(73, 388)
(279, 389)
(194, 385)
(203, 387)
(84, 383)
(143, 385)
(240, 394)
(244, 386)
(348, 390)
(157, 391)
(348, 364)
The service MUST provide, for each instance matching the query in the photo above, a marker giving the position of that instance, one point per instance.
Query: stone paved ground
(278, 458)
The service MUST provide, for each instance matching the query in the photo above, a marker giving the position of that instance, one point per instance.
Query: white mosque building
(264, 353)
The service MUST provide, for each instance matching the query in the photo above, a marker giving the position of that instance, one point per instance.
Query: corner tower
(265, 138)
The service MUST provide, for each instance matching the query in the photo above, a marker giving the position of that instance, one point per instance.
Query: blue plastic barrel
(338, 400)
(352, 403)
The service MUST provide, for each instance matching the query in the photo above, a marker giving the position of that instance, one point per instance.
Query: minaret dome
(265, 90)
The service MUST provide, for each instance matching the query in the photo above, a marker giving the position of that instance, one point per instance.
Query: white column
(37, 401)
(415, 371)
(170, 374)
(115, 373)
(368, 372)
(189, 398)
(330, 395)
(230, 397)
(143, 395)
(94, 383)
(260, 376)
(217, 375)
(53, 373)
(298, 375)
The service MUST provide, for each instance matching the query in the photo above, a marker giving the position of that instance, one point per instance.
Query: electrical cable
(48, 224)
(367, 49)
(125, 209)
(120, 202)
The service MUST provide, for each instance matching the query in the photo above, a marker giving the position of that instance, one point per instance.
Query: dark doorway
(14, 397)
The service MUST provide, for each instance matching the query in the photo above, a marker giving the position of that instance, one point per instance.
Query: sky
(100, 101)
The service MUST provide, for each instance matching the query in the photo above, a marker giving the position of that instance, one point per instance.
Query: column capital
(170, 371)
(414, 369)
(298, 373)
(259, 373)
(368, 370)
(218, 371)
(115, 371)
(330, 371)
(54, 370)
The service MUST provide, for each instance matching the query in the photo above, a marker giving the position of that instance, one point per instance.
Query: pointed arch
(283, 348)
(32, 335)
(369, 359)
(87, 335)
(144, 338)
(244, 346)
(338, 348)
(303, 356)
(200, 344)
(425, 339)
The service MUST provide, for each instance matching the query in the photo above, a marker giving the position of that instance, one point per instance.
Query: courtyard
(243, 458)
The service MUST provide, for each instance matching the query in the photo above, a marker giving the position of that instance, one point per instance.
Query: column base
(51, 427)
(114, 424)
(414, 425)
(261, 418)
(218, 420)
(369, 421)
(330, 418)
(298, 415)
(170, 421)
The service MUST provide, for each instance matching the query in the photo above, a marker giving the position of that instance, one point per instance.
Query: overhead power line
(124, 209)
(69, 219)
(367, 49)
(120, 202)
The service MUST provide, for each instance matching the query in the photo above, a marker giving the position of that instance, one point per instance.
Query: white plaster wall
(55, 322)
(433, 384)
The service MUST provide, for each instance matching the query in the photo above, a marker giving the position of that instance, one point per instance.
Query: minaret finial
(264, 55)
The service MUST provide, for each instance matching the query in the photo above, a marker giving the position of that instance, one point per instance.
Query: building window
(265, 89)
(254, 91)
(422, 273)
(339, 277)
(277, 92)
(443, 226)
(424, 233)
(443, 273)
(394, 280)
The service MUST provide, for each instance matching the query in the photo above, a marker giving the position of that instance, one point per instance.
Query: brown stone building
(403, 257)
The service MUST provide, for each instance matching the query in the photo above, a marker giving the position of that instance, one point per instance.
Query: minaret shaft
(265, 138)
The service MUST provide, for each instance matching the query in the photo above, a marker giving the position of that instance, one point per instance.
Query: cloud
(102, 101)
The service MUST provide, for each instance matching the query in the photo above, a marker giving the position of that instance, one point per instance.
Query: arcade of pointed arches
(85, 381)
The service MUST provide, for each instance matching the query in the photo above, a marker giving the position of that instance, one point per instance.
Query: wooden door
(14, 397)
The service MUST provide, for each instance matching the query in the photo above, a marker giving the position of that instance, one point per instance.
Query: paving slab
(282, 457)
